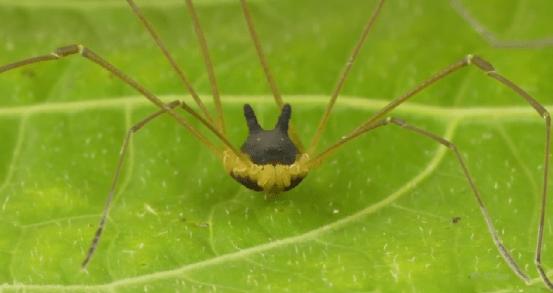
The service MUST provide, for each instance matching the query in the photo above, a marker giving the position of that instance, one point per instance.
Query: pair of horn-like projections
(269, 146)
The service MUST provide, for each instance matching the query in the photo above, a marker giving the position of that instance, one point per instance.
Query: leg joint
(397, 121)
(135, 128)
(546, 116)
(174, 104)
(480, 63)
(450, 145)
(68, 50)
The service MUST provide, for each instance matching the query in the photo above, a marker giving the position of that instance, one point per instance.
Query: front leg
(88, 54)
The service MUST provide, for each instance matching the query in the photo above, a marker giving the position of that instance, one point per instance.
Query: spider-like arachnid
(277, 160)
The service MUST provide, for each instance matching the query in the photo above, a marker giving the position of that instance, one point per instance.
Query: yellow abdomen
(268, 177)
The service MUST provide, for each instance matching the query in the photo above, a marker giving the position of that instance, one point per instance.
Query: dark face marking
(269, 146)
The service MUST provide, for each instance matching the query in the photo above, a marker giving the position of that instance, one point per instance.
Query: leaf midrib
(503, 113)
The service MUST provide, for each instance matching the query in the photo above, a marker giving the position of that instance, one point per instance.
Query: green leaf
(389, 212)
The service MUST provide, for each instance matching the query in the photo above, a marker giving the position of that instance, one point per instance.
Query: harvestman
(275, 160)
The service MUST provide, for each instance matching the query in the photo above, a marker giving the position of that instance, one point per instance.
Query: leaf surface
(389, 212)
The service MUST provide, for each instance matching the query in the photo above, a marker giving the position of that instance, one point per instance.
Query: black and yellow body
(270, 160)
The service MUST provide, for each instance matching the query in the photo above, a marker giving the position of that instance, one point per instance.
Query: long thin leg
(122, 155)
(468, 60)
(343, 77)
(487, 218)
(136, 10)
(266, 69)
(492, 39)
(208, 64)
(487, 68)
(90, 55)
